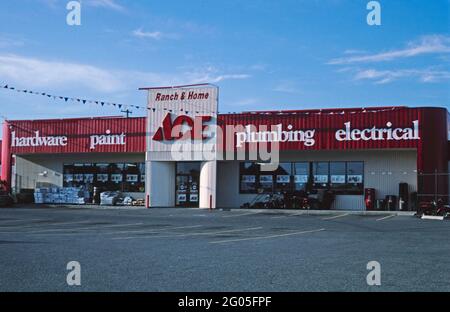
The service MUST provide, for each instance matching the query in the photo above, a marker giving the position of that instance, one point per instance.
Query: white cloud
(152, 35)
(286, 87)
(37, 73)
(156, 35)
(7, 41)
(108, 4)
(386, 76)
(433, 44)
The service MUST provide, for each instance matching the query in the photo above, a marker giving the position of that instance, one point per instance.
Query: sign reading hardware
(37, 140)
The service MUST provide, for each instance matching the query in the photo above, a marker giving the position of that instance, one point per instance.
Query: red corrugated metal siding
(327, 124)
(78, 132)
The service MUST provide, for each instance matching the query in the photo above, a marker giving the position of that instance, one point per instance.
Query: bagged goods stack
(61, 195)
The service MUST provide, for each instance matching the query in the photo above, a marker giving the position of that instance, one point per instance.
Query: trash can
(379, 205)
(403, 196)
(391, 202)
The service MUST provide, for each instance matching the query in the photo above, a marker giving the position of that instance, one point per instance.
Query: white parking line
(300, 213)
(386, 217)
(335, 217)
(265, 237)
(40, 225)
(155, 231)
(93, 227)
(22, 220)
(240, 215)
(190, 234)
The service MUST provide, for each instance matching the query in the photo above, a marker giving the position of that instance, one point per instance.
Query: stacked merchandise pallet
(61, 195)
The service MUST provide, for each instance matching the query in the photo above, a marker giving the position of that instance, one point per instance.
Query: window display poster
(193, 187)
(283, 178)
(132, 177)
(142, 178)
(193, 198)
(301, 178)
(88, 178)
(181, 198)
(265, 179)
(248, 179)
(116, 178)
(68, 178)
(102, 177)
(355, 178)
(321, 178)
(338, 179)
(79, 177)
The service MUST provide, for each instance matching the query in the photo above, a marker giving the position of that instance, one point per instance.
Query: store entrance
(187, 184)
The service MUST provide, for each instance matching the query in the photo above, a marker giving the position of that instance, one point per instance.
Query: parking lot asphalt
(176, 249)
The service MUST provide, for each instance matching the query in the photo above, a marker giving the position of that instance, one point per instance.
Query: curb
(324, 212)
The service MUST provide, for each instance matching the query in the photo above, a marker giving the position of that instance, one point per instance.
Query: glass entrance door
(187, 184)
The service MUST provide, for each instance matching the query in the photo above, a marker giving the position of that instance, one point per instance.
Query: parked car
(5, 199)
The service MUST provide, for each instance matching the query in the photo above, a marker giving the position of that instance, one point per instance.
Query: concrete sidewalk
(246, 210)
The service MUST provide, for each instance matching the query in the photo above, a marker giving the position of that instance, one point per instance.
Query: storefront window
(283, 177)
(337, 175)
(355, 176)
(341, 177)
(247, 179)
(301, 176)
(125, 177)
(266, 183)
(320, 174)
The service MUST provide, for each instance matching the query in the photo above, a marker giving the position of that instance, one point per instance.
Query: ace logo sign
(182, 120)
(182, 127)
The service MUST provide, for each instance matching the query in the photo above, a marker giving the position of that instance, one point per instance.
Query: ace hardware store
(382, 158)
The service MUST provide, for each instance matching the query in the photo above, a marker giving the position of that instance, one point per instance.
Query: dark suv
(5, 199)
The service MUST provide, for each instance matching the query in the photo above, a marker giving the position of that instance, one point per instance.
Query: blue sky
(288, 54)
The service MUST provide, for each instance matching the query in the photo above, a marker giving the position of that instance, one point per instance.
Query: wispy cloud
(152, 35)
(7, 41)
(108, 4)
(38, 73)
(155, 35)
(287, 87)
(433, 44)
(386, 76)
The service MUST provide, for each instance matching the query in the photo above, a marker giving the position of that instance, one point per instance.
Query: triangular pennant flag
(119, 105)
(84, 101)
(66, 99)
(6, 87)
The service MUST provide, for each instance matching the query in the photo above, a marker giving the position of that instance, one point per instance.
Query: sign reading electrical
(388, 133)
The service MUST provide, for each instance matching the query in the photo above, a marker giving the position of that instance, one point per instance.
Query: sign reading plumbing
(275, 134)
